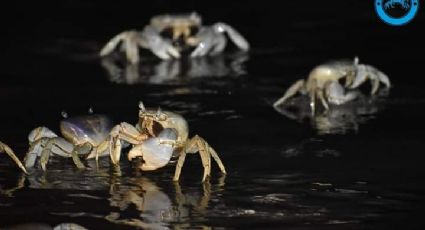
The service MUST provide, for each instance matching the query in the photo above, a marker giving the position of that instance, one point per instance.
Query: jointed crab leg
(130, 41)
(198, 144)
(6, 149)
(126, 132)
(298, 86)
(62, 147)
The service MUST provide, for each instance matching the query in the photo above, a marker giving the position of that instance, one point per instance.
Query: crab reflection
(176, 70)
(154, 208)
(339, 119)
(134, 201)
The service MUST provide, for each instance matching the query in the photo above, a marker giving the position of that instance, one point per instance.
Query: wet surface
(365, 173)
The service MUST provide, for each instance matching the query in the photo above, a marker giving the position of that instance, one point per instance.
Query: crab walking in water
(157, 136)
(185, 32)
(81, 136)
(323, 83)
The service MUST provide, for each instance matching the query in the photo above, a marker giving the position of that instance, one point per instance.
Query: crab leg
(99, 151)
(80, 150)
(298, 86)
(5, 148)
(62, 147)
(130, 45)
(313, 94)
(322, 98)
(198, 144)
(234, 35)
(125, 132)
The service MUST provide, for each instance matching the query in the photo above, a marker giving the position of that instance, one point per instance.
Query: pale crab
(156, 137)
(82, 136)
(185, 32)
(323, 83)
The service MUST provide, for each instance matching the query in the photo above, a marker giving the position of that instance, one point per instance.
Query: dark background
(49, 64)
(309, 32)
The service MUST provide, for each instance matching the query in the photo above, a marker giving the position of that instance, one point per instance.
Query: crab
(184, 31)
(158, 136)
(323, 83)
(82, 136)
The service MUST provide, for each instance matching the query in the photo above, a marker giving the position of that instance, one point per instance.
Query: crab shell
(179, 24)
(329, 72)
(93, 129)
(157, 120)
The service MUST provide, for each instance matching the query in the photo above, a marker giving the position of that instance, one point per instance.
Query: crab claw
(155, 151)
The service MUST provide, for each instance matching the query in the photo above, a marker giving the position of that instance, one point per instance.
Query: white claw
(336, 94)
(156, 151)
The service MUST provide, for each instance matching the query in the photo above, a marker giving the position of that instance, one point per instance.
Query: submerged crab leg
(99, 151)
(298, 86)
(198, 144)
(312, 95)
(5, 148)
(179, 166)
(80, 150)
(321, 96)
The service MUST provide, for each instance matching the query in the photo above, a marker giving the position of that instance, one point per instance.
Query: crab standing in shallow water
(323, 83)
(169, 35)
(157, 136)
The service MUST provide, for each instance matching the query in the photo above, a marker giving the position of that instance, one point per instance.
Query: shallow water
(364, 172)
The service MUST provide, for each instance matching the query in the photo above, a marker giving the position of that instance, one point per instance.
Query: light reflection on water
(339, 119)
(135, 201)
(175, 70)
(154, 202)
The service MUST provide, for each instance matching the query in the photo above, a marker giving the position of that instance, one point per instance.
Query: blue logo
(409, 9)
